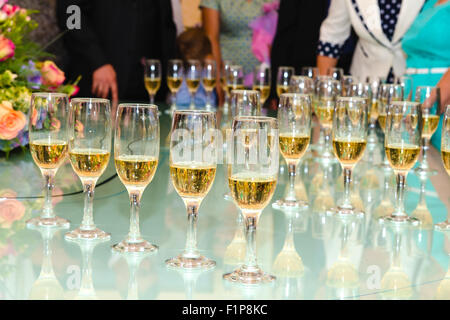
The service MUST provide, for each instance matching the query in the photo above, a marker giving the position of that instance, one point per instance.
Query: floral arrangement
(22, 72)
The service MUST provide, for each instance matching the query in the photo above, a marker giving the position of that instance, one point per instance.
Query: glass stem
(152, 99)
(88, 216)
(192, 106)
(426, 146)
(251, 220)
(191, 240)
(347, 179)
(49, 185)
(327, 146)
(208, 100)
(400, 209)
(134, 235)
(173, 96)
(292, 170)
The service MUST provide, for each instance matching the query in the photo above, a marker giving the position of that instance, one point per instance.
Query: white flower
(3, 16)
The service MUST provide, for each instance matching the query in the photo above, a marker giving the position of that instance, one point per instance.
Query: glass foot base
(94, 234)
(400, 220)
(134, 247)
(284, 204)
(425, 172)
(443, 226)
(228, 197)
(53, 222)
(245, 277)
(182, 262)
(341, 212)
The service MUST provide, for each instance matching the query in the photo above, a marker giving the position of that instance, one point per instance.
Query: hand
(103, 81)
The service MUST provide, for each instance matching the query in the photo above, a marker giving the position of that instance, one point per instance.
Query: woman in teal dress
(227, 24)
(427, 47)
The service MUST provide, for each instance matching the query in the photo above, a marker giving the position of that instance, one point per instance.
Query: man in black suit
(113, 39)
(297, 35)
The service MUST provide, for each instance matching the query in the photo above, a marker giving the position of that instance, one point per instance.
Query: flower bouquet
(22, 71)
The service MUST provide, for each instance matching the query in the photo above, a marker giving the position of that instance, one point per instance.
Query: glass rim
(295, 94)
(403, 103)
(98, 100)
(175, 60)
(300, 76)
(286, 67)
(49, 94)
(255, 118)
(243, 91)
(194, 112)
(137, 105)
(353, 98)
(153, 60)
(427, 87)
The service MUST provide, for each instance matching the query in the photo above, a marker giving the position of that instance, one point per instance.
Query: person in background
(427, 48)
(380, 26)
(114, 37)
(193, 44)
(226, 23)
(297, 35)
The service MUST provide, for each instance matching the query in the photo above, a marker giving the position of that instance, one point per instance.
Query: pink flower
(11, 121)
(73, 90)
(7, 48)
(2, 2)
(51, 74)
(10, 210)
(55, 124)
(10, 10)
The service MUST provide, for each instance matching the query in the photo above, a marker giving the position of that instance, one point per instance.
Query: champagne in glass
(375, 86)
(445, 154)
(48, 136)
(136, 153)
(402, 146)
(283, 79)
(209, 81)
(152, 77)
(294, 119)
(235, 78)
(192, 172)
(175, 72)
(252, 178)
(261, 81)
(430, 100)
(193, 79)
(302, 84)
(349, 142)
(89, 151)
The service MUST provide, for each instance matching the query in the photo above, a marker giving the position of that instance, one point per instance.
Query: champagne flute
(152, 77)
(235, 78)
(252, 178)
(336, 73)
(48, 136)
(407, 83)
(223, 79)
(375, 87)
(283, 79)
(302, 84)
(136, 153)
(294, 119)
(349, 142)
(310, 72)
(445, 154)
(347, 83)
(261, 81)
(193, 78)
(209, 81)
(193, 162)
(175, 72)
(430, 100)
(402, 146)
(326, 91)
(89, 151)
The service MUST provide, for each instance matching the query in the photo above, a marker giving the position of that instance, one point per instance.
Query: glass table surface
(313, 255)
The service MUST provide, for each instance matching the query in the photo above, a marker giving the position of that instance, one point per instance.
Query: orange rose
(11, 121)
(51, 74)
(10, 210)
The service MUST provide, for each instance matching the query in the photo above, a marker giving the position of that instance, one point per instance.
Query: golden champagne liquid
(373, 114)
(152, 85)
(89, 162)
(209, 84)
(325, 115)
(293, 146)
(193, 85)
(349, 152)
(48, 154)
(446, 160)
(174, 84)
(282, 89)
(231, 87)
(402, 157)
(192, 180)
(136, 171)
(382, 121)
(264, 92)
(250, 191)
(429, 125)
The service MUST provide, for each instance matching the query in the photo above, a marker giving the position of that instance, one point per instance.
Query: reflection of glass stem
(47, 266)
(133, 261)
(190, 281)
(87, 286)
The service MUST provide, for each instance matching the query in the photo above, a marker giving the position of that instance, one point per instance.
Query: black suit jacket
(121, 33)
(297, 36)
